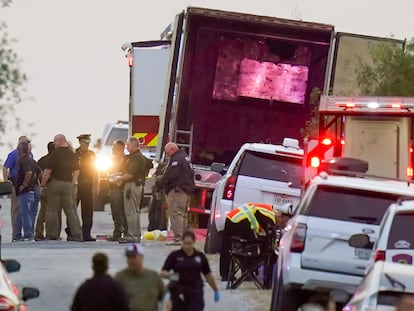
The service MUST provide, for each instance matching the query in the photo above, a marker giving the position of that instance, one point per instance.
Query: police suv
(314, 253)
(264, 173)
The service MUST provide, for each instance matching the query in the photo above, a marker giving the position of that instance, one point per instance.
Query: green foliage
(12, 79)
(391, 73)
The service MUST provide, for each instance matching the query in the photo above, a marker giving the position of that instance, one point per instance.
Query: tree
(12, 79)
(391, 73)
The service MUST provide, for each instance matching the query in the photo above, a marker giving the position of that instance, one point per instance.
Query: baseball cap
(134, 249)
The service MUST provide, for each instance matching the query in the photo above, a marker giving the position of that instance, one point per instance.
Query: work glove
(216, 296)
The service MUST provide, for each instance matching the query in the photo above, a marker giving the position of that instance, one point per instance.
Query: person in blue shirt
(10, 169)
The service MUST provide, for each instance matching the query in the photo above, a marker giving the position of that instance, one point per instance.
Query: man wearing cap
(10, 173)
(101, 292)
(87, 184)
(144, 287)
(63, 167)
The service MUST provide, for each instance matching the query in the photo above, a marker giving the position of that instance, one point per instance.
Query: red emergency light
(410, 172)
(342, 141)
(326, 141)
(130, 59)
(396, 106)
(315, 162)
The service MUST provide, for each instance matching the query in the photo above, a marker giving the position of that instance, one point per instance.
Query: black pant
(85, 197)
(187, 299)
(241, 230)
(117, 209)
(156, 213)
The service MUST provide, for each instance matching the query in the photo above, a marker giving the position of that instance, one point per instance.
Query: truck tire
(214, 239)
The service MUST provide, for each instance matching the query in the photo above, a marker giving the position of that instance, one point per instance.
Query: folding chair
(249, 258)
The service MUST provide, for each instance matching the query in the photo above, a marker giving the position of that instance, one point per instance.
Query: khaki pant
(132, 201)
(60, 196)
(14, 212)
(177, 202)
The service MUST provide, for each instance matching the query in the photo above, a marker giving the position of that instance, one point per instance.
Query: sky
(78, 75)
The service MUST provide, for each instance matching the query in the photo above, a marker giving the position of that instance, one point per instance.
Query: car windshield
(272, 166)
(117, 133)
(401, 234)
(347, 204)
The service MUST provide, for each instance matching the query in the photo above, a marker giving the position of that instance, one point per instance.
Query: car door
(400, 244)
(268, 178)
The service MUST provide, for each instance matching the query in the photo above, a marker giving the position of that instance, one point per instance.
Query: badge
(197, 259)
(174, 163)
(403, 258)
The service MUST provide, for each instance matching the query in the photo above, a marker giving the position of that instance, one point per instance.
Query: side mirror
(286, 209)
(360, 241)
(11, 265)
(217, 167)
(5, 188)
(30, 293)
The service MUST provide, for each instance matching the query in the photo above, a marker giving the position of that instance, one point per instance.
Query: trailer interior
(248, 79)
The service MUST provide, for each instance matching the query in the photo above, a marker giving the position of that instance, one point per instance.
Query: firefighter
(247, 222)
(87, 184)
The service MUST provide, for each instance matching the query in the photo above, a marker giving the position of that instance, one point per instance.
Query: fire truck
(379, 130)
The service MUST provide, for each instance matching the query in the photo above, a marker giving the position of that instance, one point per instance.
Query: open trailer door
(352, 50)
(170, 85)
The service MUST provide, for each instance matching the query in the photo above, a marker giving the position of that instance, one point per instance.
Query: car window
(401, 234)
(271, 166)
(388, 298)
(116, 133)
(346, 204)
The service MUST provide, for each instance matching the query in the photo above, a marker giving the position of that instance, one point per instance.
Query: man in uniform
(247, 222)
(63, 167)
(10, 173)
(133, 181)
(115, 193)
(87, 184)
(178, 183)
(144, 287)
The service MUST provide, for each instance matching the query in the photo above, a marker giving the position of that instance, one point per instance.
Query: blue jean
(24, 218)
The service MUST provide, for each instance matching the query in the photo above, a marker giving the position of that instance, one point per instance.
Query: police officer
(133, 181)
(116, 192)
(178, 183)
(184, 268)
(87, 184)
(63, 167)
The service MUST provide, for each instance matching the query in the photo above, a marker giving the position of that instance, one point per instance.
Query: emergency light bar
(366, 104)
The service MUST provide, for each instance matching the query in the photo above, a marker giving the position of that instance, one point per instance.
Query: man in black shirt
(133, 179)
(87, 184)
(63, 167)
(101, 292)
(178, 184)
(41, 217)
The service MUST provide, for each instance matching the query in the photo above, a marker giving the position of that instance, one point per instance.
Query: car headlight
(103, 162)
